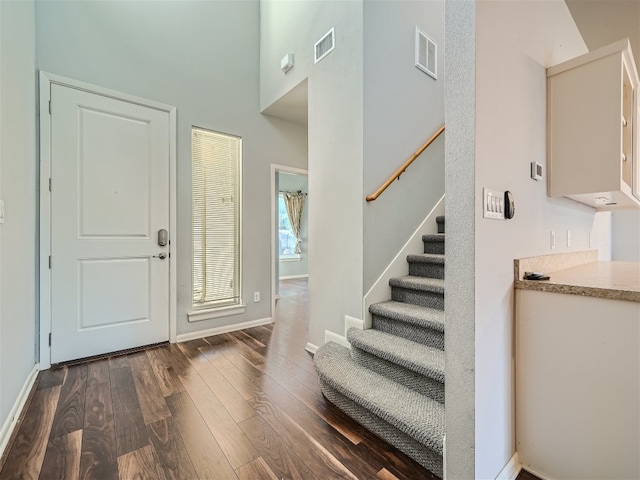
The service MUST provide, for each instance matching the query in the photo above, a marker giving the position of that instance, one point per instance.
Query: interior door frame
(275, 169)
(47, 79)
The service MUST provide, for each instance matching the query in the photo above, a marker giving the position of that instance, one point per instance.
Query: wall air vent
(426, 54)
(324, 46)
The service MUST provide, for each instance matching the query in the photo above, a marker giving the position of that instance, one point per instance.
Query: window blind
(216, 218)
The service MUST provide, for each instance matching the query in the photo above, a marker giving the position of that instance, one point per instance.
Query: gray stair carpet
(392, 378)
(410, 355)
(405, 362)
(426, 265)
(413, 322)
(392, 408)
(427, 292)
(434, 243)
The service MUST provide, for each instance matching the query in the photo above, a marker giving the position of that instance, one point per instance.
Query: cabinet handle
(624, 157)
(624, 122)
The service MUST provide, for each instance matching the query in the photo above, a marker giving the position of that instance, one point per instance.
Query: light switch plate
(492, 204)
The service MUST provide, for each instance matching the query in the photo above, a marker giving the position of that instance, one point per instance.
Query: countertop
(580, 273)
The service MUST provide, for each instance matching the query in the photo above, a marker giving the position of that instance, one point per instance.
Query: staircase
(392, 379)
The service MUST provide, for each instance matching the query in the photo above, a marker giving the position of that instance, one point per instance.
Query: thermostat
(536, 171)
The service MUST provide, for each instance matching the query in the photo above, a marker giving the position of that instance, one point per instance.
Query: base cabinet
(578, 386)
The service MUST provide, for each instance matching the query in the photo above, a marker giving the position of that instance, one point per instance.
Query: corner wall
(460, 116)
(515, 42)
(203, 58)
(335, 156)
(18, 190)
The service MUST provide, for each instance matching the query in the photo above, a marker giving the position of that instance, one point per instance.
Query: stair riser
(434, 247)
(429, 270)
(425, 456)
(425, 336)
(418, 297)
(422, 384)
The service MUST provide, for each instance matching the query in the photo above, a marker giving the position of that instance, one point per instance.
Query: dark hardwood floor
(243, 405)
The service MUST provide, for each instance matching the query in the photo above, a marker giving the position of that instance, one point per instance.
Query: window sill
(295, 258)
(200, 315)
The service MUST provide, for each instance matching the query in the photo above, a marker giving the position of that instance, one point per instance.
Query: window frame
(218, 308)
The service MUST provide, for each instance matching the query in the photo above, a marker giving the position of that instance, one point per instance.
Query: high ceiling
(602, 22)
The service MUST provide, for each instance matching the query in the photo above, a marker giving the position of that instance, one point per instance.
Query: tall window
(216, 218)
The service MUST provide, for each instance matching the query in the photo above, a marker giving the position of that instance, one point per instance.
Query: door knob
(161, 256)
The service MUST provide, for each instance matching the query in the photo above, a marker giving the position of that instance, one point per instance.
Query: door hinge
(49, 338)
(49, 107)
(49, 184)
(49, 262)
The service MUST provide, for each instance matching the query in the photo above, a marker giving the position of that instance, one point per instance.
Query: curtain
(294, 203)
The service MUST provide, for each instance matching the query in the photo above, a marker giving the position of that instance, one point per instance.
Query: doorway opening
(289, 242)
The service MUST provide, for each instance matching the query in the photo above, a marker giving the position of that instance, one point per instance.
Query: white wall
(402, 108)
(515, 42)
(18, 190)
(625, 226)
(296, 267)
(335, 127)
(202, 57)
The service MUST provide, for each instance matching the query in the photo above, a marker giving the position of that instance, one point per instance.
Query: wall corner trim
(335, 338)
(511, 469)
(311, 348)
(14, 414)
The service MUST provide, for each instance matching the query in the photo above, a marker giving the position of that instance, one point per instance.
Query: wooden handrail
(403, 167)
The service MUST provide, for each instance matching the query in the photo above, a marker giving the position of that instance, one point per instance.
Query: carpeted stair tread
(420, 417)
(426, 258)
(424, 456)
(433, 237)
(410, 313)
(424, 284)
(400, 351)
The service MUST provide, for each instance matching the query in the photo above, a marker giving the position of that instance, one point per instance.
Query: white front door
(109, 199)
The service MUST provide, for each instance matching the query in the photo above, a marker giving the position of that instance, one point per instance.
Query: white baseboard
(18, 405)
(354, 322)
(335, 338)
(311, 348)
(291, 277)
(185, 337)
(511, 469)
(538, 474)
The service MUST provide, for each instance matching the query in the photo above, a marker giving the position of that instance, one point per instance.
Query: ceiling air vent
(324, 46)
(426, 54)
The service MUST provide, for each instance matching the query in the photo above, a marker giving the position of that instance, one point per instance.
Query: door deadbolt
(163, 237)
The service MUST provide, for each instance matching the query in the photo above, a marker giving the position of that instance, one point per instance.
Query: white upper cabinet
(592, 113)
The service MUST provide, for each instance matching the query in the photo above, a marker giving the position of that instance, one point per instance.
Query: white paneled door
(109, 199)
